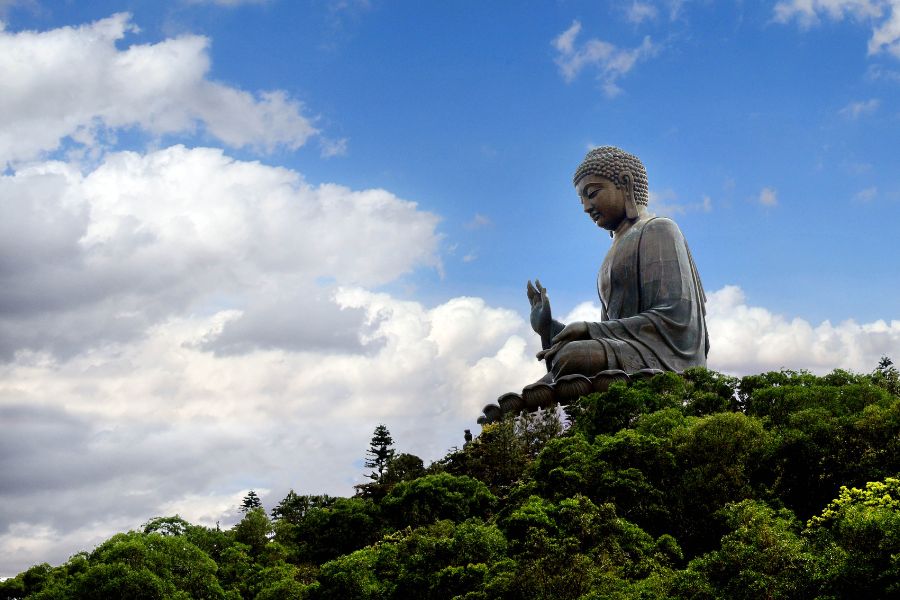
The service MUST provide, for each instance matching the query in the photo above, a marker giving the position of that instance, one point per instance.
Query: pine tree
(380, 453)
(887, 376)
(251, 501)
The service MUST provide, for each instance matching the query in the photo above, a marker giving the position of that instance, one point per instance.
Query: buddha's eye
(593, 193)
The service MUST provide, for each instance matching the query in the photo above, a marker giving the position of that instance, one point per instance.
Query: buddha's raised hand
(541, 317)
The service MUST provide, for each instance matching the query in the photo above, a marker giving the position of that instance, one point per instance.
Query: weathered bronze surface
(653, 305)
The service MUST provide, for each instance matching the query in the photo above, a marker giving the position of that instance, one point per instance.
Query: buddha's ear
(631, 210)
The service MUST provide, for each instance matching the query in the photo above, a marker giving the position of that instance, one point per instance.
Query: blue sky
(231, 226)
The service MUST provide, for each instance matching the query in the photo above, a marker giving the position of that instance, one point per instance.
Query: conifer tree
(380, 453)
(251, 501)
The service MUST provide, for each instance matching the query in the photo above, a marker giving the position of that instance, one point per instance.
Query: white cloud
(610, 62)
(74, 83)
(854, 110)
(98, 258)
(638, 12)
(886, 36)
(884, 15)
(179, 326)
(807, 12)
(183, 430)
(748, 339)
(188, 431)
(768, 197)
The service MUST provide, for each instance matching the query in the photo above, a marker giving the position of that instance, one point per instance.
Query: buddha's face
(602, 200)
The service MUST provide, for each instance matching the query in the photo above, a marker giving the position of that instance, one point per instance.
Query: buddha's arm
(555, 328)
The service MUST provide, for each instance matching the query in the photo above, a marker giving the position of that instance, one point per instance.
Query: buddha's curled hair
(609, 162)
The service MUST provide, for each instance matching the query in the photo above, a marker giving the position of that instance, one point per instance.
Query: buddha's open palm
(541, 317)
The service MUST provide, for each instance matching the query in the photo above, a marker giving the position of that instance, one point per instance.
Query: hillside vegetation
(701, 486)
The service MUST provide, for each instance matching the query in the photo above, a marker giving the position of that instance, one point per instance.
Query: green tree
(438, 562)
(128, 565)
(718, 459)
(887, 376)
(436, 497)
(860, 532)
(498, 457)
(250, 502)
(404, 467)
(325, 533)
(380, 453)
(254, 530)
(762, 556)
(294, 506)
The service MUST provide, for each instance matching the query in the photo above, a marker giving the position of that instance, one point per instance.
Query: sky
(237, 235)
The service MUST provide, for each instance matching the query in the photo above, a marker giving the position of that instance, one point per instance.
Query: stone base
(565, 390)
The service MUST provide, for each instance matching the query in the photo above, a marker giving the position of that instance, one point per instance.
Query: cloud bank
(75, 84)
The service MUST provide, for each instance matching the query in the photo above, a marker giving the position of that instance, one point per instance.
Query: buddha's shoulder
(663, 226)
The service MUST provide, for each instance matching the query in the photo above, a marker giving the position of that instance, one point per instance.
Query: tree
(254, 530)
(251, 502)
(887, 376)
(763, 556)
(294, 506)
(435, 497)
(380, 453)
(404, 467)
(860, 532)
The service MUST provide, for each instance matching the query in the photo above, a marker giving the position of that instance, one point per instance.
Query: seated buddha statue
(653, 315)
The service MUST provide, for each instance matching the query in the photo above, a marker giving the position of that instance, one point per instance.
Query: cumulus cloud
(854, 110)
(114, 436)
(747, 339)
(884, 15)
(162, 88)
(188, 416)
(178, 327)
(609, 61)
(100, 257)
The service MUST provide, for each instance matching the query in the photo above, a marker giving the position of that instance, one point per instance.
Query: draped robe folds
(653, 307)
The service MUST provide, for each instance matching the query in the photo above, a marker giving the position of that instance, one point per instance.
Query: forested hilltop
(779, 485)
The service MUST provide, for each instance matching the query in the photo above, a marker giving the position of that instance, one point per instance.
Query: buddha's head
(611, 185)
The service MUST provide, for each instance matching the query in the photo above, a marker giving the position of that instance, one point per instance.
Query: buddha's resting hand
(571, 332)
(541, 317)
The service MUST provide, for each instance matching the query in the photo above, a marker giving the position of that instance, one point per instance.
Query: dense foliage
(701, 486)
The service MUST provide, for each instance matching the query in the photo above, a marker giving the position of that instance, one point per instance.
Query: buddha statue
(652, 302)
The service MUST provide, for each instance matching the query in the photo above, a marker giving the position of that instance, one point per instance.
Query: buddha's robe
(653, 307)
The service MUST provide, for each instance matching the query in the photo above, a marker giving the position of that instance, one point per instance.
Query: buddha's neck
(627, 224)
